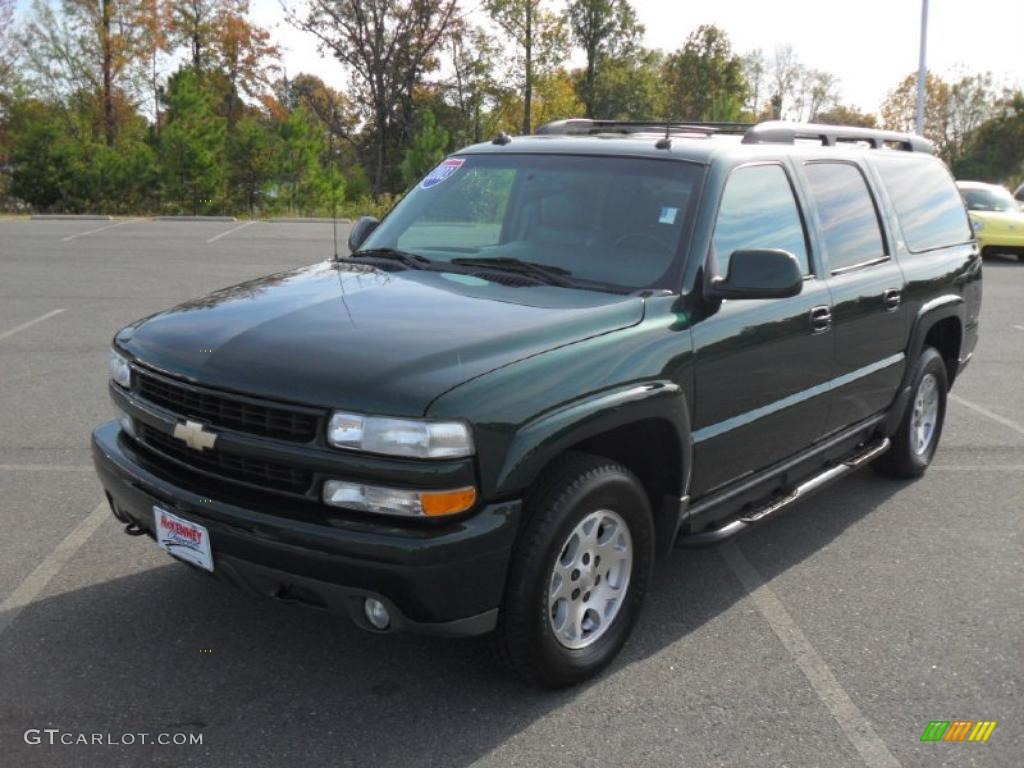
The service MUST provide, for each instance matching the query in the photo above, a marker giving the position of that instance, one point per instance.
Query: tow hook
(133, 529)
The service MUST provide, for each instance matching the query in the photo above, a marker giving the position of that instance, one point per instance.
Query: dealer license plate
(183, 539)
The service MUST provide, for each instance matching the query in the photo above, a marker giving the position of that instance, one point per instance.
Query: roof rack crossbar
(780, 132)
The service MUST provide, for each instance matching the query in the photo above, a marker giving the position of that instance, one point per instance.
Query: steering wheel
(659, 244)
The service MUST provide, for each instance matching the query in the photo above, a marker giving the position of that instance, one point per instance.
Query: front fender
(540, 440)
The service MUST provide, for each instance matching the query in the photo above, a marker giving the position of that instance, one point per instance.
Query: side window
(930, 210)
(849, 219)
(758, 210)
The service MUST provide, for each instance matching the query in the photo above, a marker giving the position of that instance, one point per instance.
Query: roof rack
(770, 132)
(584, 126)
(781, 132)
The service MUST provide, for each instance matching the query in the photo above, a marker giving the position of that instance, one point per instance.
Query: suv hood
(356, 337)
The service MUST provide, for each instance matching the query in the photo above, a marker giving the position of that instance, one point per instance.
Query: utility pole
(922, 70)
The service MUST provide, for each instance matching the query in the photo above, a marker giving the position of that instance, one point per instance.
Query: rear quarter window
(928, 204)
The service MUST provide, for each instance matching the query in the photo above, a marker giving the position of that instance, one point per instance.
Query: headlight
(120, 371)
(400, 437)
(391, 501)
(977, 224)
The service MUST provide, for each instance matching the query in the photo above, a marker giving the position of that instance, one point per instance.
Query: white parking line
(1019, 327)
(986, 412)
(29, 324)
(858, 730)
(215, 238)
(94, 231)
(36, 582)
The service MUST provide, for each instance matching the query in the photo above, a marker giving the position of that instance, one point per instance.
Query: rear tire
(579, 572)
(913, 445)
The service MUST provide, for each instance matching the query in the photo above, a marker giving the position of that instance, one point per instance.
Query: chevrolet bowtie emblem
(194, 435)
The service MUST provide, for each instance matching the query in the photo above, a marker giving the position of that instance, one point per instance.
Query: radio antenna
(334, 180)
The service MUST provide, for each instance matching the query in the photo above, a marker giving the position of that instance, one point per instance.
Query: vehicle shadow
(168, 649)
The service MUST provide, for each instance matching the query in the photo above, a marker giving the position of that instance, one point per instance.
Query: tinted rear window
(847, 212)
(931, 212)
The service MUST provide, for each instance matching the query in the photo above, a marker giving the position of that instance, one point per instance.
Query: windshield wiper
(405, 258)
(541, 272)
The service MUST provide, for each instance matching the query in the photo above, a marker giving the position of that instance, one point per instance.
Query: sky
(869, 44)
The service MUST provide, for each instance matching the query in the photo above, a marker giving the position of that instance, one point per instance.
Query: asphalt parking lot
(829, 637)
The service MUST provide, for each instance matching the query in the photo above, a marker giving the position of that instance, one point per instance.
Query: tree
(427, 150)
(45, 160)
(386, 45)
(970, 104)
(154, 19)
(192, 144)
(815, 91)
(606, 30)
(252, 153)
(539, 38)
(196, 24)
(630, 87)
(755, 68)
(244, 54)
(705, 79)
(94, 45)
(994, 151)
(784, 72)
(899, 108)
(473, 55)
(8, 46)
(299, 170)
(841, 114)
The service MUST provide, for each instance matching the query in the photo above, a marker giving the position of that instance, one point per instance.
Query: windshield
(988, 199)
(602, 220)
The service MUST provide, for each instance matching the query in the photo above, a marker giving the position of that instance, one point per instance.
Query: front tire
(579, 572)
(914, 444)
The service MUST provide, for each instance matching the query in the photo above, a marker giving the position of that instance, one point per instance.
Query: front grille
(265, 474)
(226, 411)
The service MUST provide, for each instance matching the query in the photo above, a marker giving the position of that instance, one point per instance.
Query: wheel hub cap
(589, 579)
(926, 414)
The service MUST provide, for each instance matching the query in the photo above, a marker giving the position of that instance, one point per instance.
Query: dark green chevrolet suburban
(558, 357)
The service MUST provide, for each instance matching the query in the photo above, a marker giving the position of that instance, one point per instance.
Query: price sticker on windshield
(442, 172)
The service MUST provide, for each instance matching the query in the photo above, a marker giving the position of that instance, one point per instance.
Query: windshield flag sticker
(442, 172)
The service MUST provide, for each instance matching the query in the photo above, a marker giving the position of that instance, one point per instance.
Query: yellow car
(998, 222)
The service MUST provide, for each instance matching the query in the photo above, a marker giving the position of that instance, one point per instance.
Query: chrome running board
(705, 538)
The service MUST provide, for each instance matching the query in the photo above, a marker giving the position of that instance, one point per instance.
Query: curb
(70, 217)
(196, 218)
(297, 220)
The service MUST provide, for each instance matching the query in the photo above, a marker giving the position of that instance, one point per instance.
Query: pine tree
(192, 145)
(428, 149)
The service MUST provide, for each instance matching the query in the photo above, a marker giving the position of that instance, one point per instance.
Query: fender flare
(931, 312)
(537, 442)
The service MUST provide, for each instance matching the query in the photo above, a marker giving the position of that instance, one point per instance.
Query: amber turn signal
(437, 503)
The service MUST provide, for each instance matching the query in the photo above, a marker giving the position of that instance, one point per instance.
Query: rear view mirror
(360, 231)
(762, 273)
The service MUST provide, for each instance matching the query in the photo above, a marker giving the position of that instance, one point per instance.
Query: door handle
(821, 319)
(891, 298)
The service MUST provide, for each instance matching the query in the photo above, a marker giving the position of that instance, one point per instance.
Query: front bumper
(440, 579)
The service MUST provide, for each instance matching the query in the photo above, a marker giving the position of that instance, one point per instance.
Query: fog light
(127, 422)
(376, 613)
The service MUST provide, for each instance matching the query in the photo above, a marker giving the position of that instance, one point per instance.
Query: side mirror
(360, 231)
(762, 273)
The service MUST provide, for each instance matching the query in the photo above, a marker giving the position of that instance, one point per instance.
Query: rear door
(762, 366)
(868, 314)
